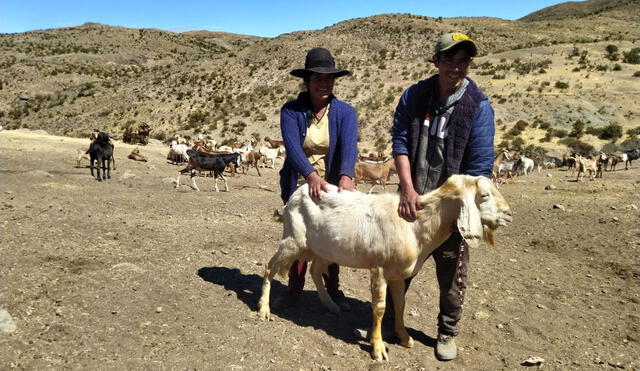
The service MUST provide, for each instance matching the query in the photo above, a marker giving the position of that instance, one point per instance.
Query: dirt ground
(132, 273)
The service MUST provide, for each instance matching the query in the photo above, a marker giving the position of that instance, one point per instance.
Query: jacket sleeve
(401, 125)
(348, 142)
(479, 154)
(293, 142)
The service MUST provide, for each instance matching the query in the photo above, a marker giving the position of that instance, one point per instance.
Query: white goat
(178, 153)
(364, 231)
(271, 154)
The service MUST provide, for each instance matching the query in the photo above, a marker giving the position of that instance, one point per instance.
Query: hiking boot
(446, 348)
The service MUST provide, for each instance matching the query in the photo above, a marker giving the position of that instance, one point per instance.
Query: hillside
(550, 73)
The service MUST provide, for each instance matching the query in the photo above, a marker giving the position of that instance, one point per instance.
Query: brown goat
(374, 172)
(274, 143)
(135, 155)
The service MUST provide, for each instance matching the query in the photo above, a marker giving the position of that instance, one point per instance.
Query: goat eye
(484, 195)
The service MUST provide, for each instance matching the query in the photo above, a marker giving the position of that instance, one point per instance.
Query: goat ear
(469, 223)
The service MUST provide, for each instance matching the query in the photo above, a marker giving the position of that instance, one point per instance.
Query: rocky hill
(552, 69)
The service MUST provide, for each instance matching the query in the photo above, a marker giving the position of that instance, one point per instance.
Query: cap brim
(470, 44)
(327, 70)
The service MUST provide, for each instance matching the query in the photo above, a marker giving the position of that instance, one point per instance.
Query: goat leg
(378, 292)
(319, 266)
(397, 293)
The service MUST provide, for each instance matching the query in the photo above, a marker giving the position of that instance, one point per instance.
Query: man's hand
(409, 205)
(346, 184)
(316, 185)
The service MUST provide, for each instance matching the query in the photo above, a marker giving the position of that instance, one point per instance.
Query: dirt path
(131, 273)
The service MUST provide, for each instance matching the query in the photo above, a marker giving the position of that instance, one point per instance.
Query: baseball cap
(449, 40)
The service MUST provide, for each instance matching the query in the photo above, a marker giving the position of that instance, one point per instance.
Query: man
(442, 126)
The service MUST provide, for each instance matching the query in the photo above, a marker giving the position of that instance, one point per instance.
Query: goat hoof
(264, 314)
(380, 354)
(407, 343)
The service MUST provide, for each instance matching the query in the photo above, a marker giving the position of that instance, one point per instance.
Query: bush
(576, 145)
(611, 131)
(560, 133)
(632, 56)
(612, 52)
(562, 85)
(521, 125)
(636, 74)
(630, 132)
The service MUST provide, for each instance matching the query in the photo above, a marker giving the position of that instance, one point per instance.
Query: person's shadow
(309, 311)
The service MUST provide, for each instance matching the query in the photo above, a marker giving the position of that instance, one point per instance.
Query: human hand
(346, 184)
(409, 205)
(316, 185)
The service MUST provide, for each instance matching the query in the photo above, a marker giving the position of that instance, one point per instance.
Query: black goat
(101, 150)
(203, 161)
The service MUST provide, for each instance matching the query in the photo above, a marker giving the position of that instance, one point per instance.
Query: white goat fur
(364, 231)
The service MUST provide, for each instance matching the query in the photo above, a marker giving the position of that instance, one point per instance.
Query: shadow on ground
(309, 311)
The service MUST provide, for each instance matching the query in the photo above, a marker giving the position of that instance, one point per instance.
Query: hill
(551, 73)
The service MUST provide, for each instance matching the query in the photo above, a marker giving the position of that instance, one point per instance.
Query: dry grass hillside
(574, 71)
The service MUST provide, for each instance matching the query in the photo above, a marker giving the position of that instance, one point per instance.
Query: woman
(320, 134)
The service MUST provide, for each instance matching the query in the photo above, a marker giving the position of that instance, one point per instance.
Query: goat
(204, 162)
(601, 164)
(271, 154)
(524, 164)
(632, 154)
(101, 151)
(358, 230)
(618, 157)
(81, 153)
(177, 153)
(374, 172)
(251, 159)
(274, 143)
(136, 155)
(380, 156)
(586, 164)
(498, 165)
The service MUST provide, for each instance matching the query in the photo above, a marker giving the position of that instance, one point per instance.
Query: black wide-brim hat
(319, 60)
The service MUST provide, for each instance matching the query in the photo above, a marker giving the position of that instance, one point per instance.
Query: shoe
(286, 300)
(446, 348)
(341, 300)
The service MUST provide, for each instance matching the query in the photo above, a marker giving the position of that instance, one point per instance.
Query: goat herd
(203, 155)
(507, 166)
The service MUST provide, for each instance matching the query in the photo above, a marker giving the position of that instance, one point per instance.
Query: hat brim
(304, 72)
(472, 46)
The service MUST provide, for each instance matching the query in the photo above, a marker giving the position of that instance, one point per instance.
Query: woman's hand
(316, 185)
(346, 184)
(409, 205)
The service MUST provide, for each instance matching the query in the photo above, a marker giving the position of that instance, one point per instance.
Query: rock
(558, 206)
(414, 313)
(500, 326)
(159, 310)
(7, 325)
(151, 167)
(127, 175)
(615, 219)
(532, 361)
(632, 207)
(481, 315)
(549, 175)
(40, 173)
(541, 306)
(550, 187)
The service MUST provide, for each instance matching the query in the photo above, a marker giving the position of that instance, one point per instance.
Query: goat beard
(487, 235)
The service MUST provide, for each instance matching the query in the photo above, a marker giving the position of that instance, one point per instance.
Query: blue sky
(267, 18)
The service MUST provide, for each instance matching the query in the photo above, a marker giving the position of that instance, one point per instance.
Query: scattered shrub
(632, 56)
(562, 85)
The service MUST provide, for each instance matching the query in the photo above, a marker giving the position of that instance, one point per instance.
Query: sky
(267, 18)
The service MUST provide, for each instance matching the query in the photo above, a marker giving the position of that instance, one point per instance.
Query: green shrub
(632, 56)
(630, 132)
(562, 85)
(611, 131)
(576, 145)
(636, 74)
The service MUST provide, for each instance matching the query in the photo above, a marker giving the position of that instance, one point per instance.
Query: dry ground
(133, 274)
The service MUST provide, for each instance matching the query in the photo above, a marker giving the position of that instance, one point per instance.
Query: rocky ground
(132, 273)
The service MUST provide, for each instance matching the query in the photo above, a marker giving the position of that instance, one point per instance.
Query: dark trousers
(452, 259)
(296, 278)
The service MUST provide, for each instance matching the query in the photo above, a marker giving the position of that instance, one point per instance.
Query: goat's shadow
(309, 311)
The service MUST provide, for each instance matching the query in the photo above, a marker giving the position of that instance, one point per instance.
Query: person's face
(321, 85)
(453, 68)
